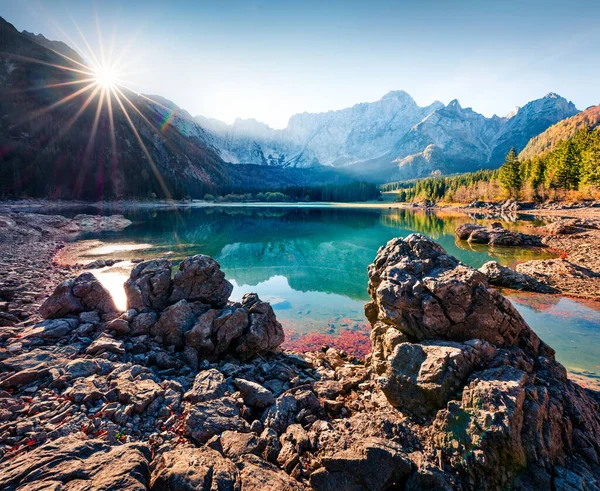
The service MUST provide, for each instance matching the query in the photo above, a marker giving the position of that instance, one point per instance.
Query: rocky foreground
(187, 390)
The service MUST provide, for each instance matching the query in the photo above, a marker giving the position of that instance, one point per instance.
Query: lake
(311, 264)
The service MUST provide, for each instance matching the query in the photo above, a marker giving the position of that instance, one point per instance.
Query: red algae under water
(354, 341)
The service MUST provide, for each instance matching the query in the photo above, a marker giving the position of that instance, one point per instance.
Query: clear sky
(271, 59)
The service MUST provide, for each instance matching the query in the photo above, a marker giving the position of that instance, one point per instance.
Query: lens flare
(106, 77)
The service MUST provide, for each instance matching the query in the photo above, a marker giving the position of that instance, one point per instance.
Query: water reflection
(312, 261)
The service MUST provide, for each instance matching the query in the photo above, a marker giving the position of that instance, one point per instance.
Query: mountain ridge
(390, 136)
(564, 129)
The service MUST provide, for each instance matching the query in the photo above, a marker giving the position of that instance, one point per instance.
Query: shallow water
(311, 264)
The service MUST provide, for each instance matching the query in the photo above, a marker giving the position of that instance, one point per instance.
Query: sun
(106, 77)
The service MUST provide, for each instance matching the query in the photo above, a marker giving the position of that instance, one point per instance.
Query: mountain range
(47, 148)
(394, 137)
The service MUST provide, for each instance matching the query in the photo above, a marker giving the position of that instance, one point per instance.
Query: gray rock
(149, 285)
(106, 344)
(282, 414)
(142, 323)
(208, 384)
(194, 469)
(78, 464)
(200, 279)
(254, 394)
(234, 444)
(264, 332)
(258, 475)
(502, 276)
(206, 419)
(84, 293)
(372, 465)
(424, 293)
(422, 378)
(495, 234)
(174, 322)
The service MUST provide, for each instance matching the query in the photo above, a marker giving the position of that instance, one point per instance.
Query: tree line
(571, 170)
(341, 193)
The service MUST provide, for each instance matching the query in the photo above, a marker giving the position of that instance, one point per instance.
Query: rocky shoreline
(575, 272)
(186, 390)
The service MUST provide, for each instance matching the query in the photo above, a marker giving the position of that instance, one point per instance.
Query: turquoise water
(311, 263)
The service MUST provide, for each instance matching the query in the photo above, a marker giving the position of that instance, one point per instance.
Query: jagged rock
(200, 279)
(149, 285)
(206, 419)
(208, 384)
(293, 444)
(264, 332)
(282, 414)
(258, 475)
(421, 378)
(233, 445)
(371, 466)
(173, 323)
(50, 329)
(194, 469)
(135, 390)
(75, 463)
(142, 323)
(506, 412)
(255, 395)
(215, 330)
(106, 344)
(84, 293)
(426, 294)
(495, 234)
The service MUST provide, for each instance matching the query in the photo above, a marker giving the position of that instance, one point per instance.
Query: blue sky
(271, 59)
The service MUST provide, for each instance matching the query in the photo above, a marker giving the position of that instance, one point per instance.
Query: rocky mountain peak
(400, 95)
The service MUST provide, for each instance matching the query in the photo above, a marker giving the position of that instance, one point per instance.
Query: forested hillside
(546, 141)
(570, 171)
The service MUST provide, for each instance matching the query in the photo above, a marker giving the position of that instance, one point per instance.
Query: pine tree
(510, 175)
(566, 168)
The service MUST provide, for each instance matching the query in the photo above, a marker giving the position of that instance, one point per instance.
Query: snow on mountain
(392, 136)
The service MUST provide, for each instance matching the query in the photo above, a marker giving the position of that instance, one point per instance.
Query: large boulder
(200, 279)
(495, 402)
(215, 330)
(264, 332)
(79, 295)
(149, 285)
(425, 293)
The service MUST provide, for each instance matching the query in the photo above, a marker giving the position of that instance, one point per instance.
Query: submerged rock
(495, 234)
(502, 276)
